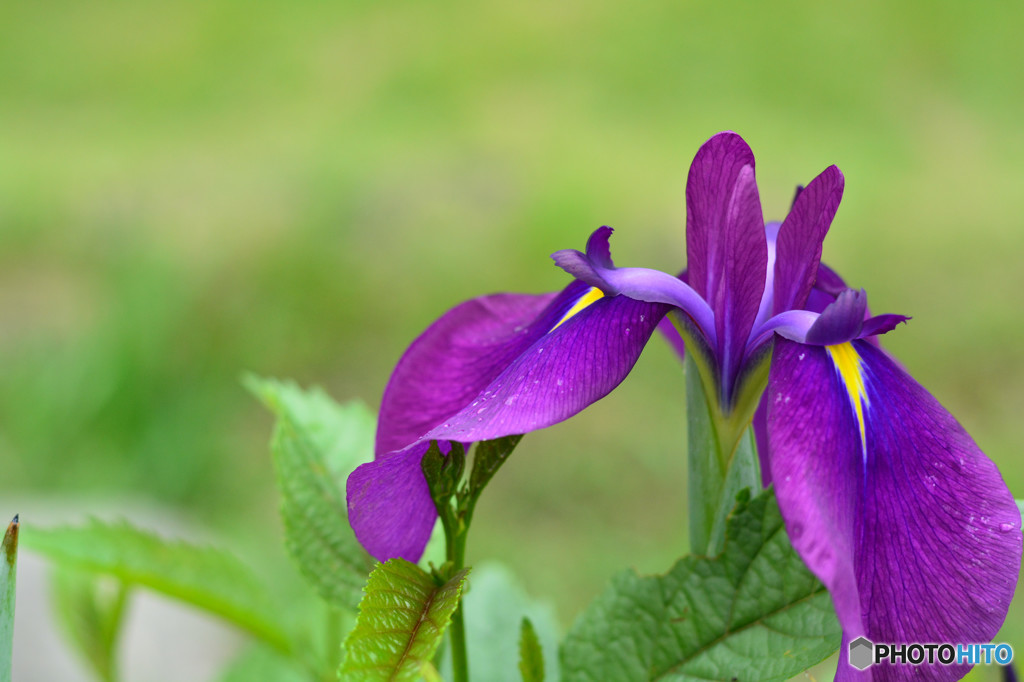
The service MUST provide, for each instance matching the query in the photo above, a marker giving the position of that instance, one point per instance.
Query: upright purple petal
(389, 505)
(725, 243)
(798, 249)
(459, 355)
(892, 505)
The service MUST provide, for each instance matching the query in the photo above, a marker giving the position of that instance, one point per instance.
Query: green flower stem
(456, 531)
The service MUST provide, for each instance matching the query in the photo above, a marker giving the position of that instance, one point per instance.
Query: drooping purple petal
(459, 355)
(725, 244)
(560, 374)
(800, 238)
(911, 526)
(518, 378)
(389, 505)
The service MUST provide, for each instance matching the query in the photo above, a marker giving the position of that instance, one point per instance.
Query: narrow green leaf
(316, 445)
(753, 613)
(401, 621)
(494, 610)
(531, 658)
(90, 607)
(262, 664)
(8, 575)
(487, 459)
(206, 577)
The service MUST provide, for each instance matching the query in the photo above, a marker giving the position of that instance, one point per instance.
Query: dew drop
(481, 410)
(1006, 527)
(539, 351)
(627, 331)
(511, 399)
(641, 318)
(801, 357)
(559, 382)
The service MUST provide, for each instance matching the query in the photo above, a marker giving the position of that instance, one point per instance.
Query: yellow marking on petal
(848, 364)
(585, 300)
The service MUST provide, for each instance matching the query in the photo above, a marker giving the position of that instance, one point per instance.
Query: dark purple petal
(912, 529)
(798, 250)
(598, 249)
(827, 286)
(841, 321)
(725, 243)
(389, 505)
(560, 374)
(880, 324)
(459, 355)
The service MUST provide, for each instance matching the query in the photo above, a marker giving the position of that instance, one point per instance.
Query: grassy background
(192, 190)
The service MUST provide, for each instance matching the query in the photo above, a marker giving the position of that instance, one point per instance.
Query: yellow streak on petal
(585, 300)
(848, 364)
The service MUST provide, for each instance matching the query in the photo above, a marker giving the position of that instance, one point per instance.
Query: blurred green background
(193, 190)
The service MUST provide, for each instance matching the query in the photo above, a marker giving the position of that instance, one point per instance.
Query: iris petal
(458, 355)
(800, 238)
(486, 369)
(389, 505)
(726, 247)
(912, 529)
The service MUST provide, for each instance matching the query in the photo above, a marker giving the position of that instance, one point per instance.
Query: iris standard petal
(889, 502)
(798, 247)
(459, 355)
(726, 248)
(389, 505)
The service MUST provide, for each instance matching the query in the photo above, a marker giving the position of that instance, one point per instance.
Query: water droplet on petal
(1006, 527)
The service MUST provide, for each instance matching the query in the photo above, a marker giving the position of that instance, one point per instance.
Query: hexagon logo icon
(862, 653)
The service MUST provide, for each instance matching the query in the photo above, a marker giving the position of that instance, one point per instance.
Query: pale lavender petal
(389, 505)
(764, 310)
(641, 284)
(726, 244)
(911, 529)
(801, 236)
(459, 355)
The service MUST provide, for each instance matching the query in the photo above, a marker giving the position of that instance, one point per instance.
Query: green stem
(455, 545)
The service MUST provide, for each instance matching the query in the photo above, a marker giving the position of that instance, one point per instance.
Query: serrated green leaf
(316, 445)
(90, 607)
(8, 575)
(531, 657)
(753, 613)
(402, 618)
(206, 577)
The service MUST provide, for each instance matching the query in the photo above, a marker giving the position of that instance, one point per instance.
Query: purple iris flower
(885, 497)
